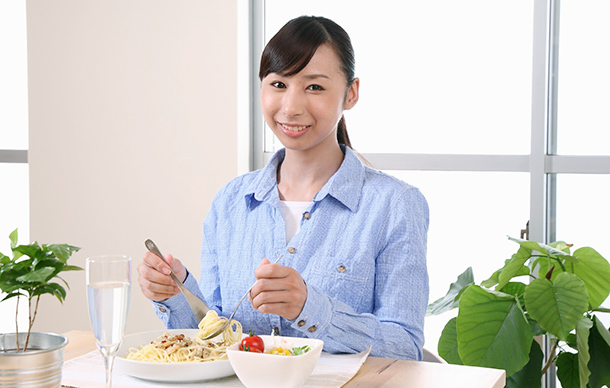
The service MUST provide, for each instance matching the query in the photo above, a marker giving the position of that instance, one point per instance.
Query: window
(495, 110)
(584, 79)
(14, 206)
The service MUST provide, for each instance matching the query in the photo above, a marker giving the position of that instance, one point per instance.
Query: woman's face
(303, 110)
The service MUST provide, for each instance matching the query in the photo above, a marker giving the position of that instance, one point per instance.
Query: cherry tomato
(252, 343)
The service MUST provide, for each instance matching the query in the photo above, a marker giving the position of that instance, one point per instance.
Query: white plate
(170, 372)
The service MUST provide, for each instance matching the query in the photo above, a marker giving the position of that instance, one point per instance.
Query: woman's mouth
(293, 130)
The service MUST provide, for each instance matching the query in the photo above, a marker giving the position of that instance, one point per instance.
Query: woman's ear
(351, 97)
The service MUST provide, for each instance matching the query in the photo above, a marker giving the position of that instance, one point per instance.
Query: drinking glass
(108, 291)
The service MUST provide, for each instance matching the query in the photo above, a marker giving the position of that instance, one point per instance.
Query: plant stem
(563, 267)
(32, 318)
(602, 310)
(551, 357)
(17, 325)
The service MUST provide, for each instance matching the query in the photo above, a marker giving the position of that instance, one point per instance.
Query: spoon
(198, 307)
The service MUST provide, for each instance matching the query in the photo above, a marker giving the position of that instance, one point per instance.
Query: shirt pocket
(342, 279)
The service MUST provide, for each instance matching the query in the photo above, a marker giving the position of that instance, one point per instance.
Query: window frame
(13, 156)
(543, 163)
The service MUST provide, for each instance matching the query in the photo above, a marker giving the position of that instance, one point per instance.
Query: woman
(352, 240)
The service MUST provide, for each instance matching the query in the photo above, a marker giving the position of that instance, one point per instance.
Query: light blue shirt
(361, 250)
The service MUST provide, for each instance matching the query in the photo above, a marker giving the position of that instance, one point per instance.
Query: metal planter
(39, 367)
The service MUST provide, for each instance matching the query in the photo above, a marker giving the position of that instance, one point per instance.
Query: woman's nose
(293, 103)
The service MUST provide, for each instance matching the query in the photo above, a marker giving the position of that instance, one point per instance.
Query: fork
(198, 307)
(228, 322)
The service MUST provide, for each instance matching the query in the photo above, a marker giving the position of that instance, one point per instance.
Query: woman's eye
(315, 87)
(278, 84)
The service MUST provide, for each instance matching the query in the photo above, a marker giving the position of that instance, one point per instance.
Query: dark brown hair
(291, 49)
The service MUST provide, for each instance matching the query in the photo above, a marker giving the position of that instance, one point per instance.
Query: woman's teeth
(294, 129)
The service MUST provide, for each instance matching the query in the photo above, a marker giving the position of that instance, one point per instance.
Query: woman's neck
(302, 174)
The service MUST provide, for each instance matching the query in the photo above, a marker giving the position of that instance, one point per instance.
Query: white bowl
(256, 370)
(167, 372)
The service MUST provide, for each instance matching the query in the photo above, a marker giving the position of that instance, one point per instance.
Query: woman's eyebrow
(317, 75)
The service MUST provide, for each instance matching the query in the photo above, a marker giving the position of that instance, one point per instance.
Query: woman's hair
(291, 49)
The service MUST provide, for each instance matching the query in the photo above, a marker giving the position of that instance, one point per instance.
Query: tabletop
(376, 372)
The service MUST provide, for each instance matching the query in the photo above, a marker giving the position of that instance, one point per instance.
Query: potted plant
(542, 290)
(33, 359)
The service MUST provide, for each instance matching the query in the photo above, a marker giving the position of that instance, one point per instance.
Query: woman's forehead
(323, 64)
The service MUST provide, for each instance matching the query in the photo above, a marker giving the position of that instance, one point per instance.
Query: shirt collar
(345, 185)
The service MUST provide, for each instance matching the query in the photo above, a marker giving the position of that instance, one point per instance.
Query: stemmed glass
(108, 291)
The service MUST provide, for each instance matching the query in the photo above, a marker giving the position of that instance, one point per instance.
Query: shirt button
(341, 268)
(307, 215)
(312, 328)
(291, 250)
(162, 309)
(276, 331)
(301, 323)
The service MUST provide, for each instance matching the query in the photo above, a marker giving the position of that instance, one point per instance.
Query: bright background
(441, 77)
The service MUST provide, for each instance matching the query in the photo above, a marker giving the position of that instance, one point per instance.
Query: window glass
(14, 213)
(436, 77)
(471, 215)
(583, 213)
(584, 79)
(13, 76)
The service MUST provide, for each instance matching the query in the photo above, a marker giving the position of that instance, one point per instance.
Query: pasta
(179, 348)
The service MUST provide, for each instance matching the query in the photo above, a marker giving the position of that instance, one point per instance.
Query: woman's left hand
(279, 290)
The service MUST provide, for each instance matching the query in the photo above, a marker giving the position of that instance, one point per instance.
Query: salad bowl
(264, 370)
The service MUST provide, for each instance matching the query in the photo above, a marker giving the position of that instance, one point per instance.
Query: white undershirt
(293, 213)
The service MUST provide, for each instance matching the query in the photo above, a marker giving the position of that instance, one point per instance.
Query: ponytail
(342, 136)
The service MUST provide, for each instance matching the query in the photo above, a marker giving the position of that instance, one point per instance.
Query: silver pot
(39, 367)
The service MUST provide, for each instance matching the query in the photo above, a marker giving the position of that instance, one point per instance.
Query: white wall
(133, 129)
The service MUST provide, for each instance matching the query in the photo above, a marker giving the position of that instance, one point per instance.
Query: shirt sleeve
(175, 312)
(395, 327)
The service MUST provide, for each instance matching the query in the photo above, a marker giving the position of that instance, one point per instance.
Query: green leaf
(492, 330)
(538, 247)
(10, 272)
(594, 270)
(12, 295)
(448, 344)
(571, 341)
(39, 276)
(12, 286)
(493, 279)
(52, 289)
(531, 374)
(516, 289)
(14, 236)
(561, 245)
(32, 250)
(515, 267)
(450, 300)
(71, 268)
(297, 351)
(61, 251)
(557, 306)
(534, 326)
(4, 260)
(63, 280)
(567, 370)
(544, 268)
(599, 348)
(582, 342)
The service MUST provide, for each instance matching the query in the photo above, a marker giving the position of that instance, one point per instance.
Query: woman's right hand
(154, 276)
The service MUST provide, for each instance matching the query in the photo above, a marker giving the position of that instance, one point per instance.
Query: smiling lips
(294, 130)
